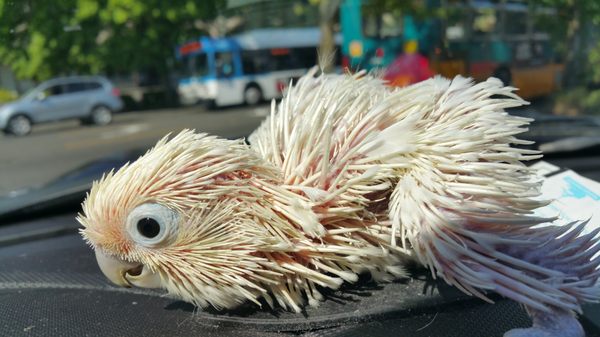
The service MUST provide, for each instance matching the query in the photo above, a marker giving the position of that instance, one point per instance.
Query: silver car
(91, 99)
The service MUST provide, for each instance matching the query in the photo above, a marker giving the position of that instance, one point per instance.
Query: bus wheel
(503, 74)
(252, 95)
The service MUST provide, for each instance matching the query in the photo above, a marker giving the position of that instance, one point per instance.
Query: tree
(220, 26)
(571, 28)
(327, 12)
(40, 39)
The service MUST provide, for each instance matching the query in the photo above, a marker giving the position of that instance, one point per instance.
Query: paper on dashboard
(574, 197)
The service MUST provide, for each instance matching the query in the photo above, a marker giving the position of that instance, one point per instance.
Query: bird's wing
(317, 135)
(309, 134)
(465, 206)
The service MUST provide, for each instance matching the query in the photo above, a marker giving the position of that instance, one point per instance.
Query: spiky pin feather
(346, 176)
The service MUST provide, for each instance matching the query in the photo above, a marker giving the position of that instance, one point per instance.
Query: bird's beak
(126, 274)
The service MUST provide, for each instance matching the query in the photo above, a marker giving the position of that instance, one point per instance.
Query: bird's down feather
(348, 176)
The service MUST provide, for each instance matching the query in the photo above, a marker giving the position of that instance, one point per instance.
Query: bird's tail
(465, 205)
(479, 251)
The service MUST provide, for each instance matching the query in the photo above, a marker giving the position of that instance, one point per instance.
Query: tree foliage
(41, 39)
(574, 31)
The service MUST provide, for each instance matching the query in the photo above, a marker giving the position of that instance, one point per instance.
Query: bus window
(281, 59)
(391, 25)
(455, 24)
(381, 25)
(199, 65)
(304, 57)
(182, 67)
(224, 64)
(249, 63)
(485, 22)
(255, 61)
(516, 23)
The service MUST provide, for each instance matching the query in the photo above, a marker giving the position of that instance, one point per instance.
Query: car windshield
(171, 66)
(120, 75)
(29, 92)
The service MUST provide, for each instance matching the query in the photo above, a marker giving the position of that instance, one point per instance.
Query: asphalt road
(54, 149)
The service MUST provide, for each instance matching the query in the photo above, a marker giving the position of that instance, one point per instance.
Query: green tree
(571, 28)
(40, 39)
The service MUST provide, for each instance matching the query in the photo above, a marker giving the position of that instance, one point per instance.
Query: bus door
(231, 83)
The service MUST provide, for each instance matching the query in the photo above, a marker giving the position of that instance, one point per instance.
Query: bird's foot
(558, 323)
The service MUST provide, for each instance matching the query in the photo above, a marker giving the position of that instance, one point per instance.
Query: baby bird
(347, 176)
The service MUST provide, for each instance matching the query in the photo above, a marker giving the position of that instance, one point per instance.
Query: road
(54, 149)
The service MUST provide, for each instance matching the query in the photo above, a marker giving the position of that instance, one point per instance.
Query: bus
(247, 68)
(474, 38)
(373, 37)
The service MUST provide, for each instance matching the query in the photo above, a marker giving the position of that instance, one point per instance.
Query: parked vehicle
(247, 68)
(477, 39)
(91, 99)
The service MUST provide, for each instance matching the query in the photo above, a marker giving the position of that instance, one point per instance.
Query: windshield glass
(192, 66)
(29, 93)
(168, 67)
(401, 140)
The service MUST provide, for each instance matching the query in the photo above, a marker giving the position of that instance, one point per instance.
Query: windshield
(381, 163)
(157, 59)
(546, 50)
(30, 92)
(195, 65)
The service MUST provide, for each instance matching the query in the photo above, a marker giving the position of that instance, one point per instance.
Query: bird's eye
(148, 227)
(151, 224)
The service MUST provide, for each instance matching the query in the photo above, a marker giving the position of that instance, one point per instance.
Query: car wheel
(101, 115)
(252, 95)
(19, 125)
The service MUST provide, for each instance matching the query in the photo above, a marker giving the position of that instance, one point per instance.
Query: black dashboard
(50, 285)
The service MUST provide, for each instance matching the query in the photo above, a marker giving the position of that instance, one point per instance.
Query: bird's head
(178, 219)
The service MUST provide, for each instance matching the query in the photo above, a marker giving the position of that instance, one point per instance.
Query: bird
(348, 176)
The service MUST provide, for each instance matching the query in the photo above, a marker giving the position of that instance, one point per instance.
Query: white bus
(247, 68)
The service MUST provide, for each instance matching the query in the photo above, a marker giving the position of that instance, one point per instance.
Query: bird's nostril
(136, 271)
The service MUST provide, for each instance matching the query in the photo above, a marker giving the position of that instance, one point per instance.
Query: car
(91, 99)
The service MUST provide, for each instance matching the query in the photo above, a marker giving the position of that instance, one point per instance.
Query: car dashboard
(50, 285)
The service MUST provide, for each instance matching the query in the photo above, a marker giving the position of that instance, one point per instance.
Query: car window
(92, 85)
(76, 87)
(54, 90)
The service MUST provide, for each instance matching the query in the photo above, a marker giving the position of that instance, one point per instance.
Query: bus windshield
(192, 65)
